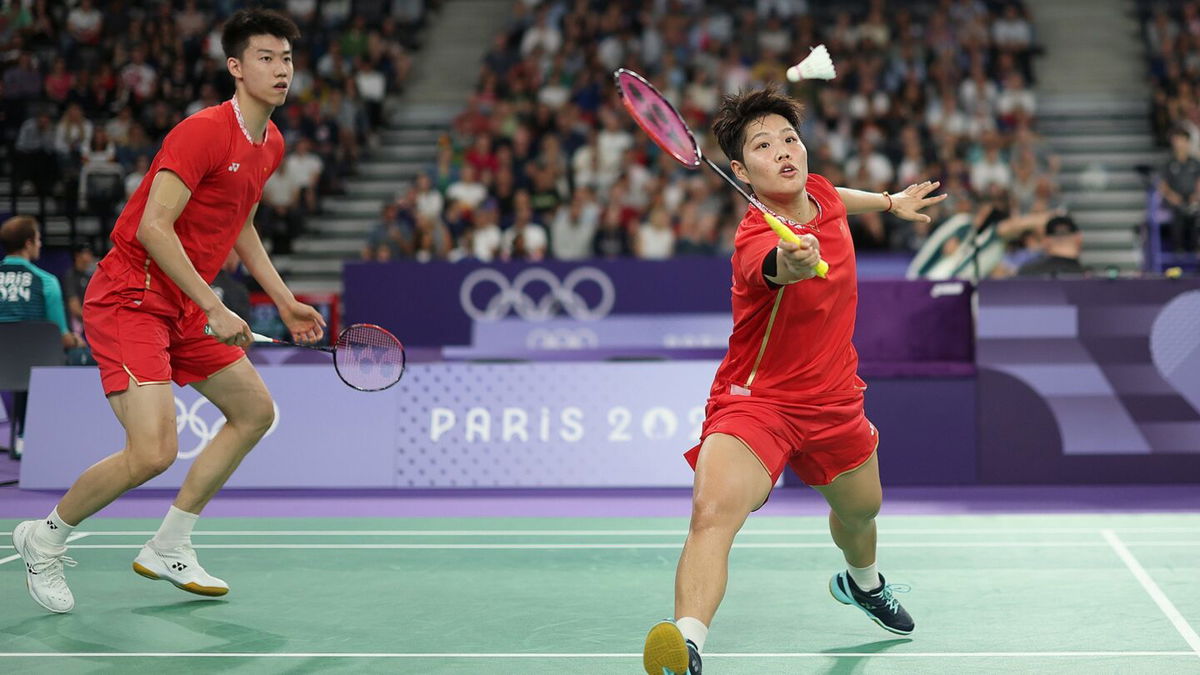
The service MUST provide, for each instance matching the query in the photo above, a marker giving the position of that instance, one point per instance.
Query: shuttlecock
(816, 66)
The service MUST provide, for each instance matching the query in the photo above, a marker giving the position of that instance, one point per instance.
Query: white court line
(74, 536)
(1164, 603)
(614, 533)
(631, 655)
(632, 545)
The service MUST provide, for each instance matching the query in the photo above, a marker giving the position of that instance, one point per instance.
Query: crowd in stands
(89, 90)
(545, 163)
(1172, 35)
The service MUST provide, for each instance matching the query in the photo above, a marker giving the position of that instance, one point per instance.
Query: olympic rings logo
(557, 339)
(514, 296)
(189, 417)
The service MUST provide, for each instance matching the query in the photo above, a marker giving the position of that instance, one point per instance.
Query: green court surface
(990, 594)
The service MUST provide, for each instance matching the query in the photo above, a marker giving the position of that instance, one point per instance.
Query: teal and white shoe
(879, 604)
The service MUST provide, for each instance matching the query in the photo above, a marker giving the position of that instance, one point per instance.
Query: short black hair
(16, 232)
(737, 111)
(1061, 226)
(246, 23)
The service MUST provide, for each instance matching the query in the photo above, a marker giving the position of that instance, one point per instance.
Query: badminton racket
(659, 119)
(365, 356)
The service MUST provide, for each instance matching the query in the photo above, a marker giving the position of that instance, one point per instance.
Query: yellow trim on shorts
(140, 383)
(766, 337)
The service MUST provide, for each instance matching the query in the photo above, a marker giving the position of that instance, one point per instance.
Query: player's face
(775, 162)
(265, 68)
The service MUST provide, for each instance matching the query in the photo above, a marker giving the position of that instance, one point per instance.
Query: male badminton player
(148, 304)
(788, 392)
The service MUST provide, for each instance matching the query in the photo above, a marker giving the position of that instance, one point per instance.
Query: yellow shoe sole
(207, 591)
(666, 651)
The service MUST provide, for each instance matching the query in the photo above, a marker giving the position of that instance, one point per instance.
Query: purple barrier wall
(1087, 381)
(457, 425)
(904, 327)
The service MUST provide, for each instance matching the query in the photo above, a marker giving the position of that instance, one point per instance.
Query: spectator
(280, 215)
(429, 202)
(36, 160)
(612, 239)
(655, 239)
(83, 266)
(1178, 188)
(27, 292)
(525, 239)
(303, 169)
(391, 238)
(232, 291)
(574, 226)
(468, 189)
(1063, 244)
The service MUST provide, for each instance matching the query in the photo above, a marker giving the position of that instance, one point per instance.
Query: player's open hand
(304, 322)
(227, 327)
(801, 257)
(908, 204)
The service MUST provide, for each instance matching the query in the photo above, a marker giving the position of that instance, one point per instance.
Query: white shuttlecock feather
(816, 66)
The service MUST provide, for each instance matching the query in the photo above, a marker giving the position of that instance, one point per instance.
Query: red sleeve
(753, 241)
(194, 148)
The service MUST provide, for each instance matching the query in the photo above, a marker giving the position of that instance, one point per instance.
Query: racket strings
(369, 358)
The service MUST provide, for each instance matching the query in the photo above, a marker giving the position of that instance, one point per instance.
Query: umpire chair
(23, 345)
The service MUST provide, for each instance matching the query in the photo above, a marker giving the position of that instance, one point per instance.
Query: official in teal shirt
(27, 292)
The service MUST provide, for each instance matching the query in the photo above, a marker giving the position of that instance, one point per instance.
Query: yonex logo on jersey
(234, 167)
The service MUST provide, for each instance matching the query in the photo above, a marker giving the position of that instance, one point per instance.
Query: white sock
(52, 531)
(693, 630)
(866, 578)
(176, 529)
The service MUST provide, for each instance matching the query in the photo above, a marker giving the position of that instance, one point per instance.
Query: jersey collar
(237, 113)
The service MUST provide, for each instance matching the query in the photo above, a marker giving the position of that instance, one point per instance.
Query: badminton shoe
(880, 604)
(179, 566)
(667, 653)
(44, 569)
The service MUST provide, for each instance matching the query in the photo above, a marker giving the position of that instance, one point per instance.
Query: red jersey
(793, 341)
(225, 172)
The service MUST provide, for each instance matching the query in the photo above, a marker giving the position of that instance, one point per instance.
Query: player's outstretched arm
(907, 204)
(166, 201)
(303, 321)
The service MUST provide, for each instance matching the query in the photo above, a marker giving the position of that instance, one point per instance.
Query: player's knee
(860, 514)
(146, 465)
(715, 514)
(257, 416)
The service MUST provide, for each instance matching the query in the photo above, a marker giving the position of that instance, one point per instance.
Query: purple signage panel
(444, 425)
(325, 434)
(1089, 381)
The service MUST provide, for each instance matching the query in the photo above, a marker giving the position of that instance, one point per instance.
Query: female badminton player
(787, 392)
(148, 304)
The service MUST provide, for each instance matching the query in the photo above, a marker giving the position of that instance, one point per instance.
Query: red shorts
(135, 331)
(819, 440)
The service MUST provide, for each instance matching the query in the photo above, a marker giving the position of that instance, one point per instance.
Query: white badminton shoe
(179, 566)
(44, 575)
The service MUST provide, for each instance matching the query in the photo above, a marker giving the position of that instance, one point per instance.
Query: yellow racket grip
(822, 268)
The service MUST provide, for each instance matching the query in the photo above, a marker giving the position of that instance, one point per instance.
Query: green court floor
(990, 594)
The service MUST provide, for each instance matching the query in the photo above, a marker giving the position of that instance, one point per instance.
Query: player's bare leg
(240, 394)
(854, 500)
(730, 483)
(148, 414)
